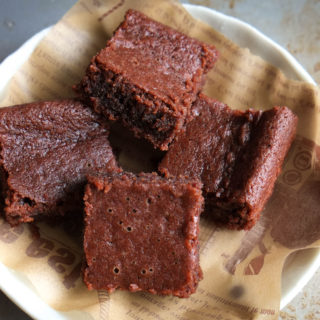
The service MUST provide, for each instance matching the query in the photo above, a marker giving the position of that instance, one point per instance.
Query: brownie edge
(134, 242)
(47, 149)
(237, 155)
(147, 77)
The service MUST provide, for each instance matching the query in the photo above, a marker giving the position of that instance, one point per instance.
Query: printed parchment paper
(242, 270)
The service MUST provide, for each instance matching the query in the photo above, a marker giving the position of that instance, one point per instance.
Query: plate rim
(283, 53)
(7, 276)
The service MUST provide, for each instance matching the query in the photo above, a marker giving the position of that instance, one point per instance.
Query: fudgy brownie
(47, 148)
(141, 233)
(147, 76)
(237, 155)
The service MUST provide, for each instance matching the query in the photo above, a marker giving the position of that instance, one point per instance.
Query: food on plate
(47, 148)
(237, 155)
(141, 233)
(147, 76)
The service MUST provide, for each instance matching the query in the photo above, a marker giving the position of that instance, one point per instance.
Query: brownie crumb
(237, 155)
(147, 76)
(47, 149)
(127, 247)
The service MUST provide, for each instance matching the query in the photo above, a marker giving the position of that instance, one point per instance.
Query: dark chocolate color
(142, 234)
(237, 155)
(147, 76)
(47, 148)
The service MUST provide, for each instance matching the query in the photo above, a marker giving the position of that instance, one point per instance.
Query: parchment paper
(242, 270)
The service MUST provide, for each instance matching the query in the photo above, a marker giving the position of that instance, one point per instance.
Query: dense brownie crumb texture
(141, 230)
(47, 148)
(237, 155)
(141, 233)
(147, 76)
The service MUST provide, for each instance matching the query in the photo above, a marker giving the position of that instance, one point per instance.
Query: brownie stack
(237, 155)
(147, 77)
(141, 231)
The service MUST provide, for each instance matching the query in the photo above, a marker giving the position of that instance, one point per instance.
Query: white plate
(300, 266)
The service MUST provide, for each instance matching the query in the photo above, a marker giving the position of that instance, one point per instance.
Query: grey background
(294, 24)
(21, 19)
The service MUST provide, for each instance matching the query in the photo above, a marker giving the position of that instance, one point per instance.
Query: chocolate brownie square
(147, 76)
(237, 155)
(47, 149)
(141, 233)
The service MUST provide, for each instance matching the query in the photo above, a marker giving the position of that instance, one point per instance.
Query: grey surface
(294, 24)
(9, 311)
(20, 19)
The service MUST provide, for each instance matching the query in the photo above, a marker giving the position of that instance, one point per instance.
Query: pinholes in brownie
(134, 242)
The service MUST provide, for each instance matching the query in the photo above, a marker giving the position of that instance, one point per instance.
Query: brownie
(141, 233)
(237, 155)
(47, 149)
(147, 76)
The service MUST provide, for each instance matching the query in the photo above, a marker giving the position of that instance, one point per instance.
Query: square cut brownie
(47, 149)
(237, 155)
(141, 233)
(147, 76)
